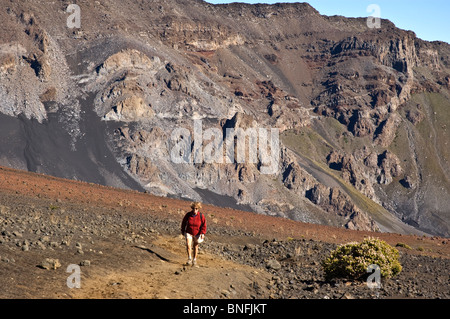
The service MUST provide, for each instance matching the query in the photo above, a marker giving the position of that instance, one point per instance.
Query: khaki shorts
(195, 239)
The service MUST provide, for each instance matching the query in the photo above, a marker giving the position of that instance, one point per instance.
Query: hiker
(193, 229)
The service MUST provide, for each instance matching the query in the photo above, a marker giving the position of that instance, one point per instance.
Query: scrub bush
(352, 260)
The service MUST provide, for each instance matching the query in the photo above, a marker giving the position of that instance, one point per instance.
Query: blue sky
(430, 20)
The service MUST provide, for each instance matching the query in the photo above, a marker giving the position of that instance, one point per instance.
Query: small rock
(309, 287)
(25, 247)
(17, 234)
(40, 245)
(85, 263)
(8, 260)
(79, 249)
(225, 292)
(273, 264)
(6, 233)
(347, 296)
(54, 244)
(65, 243)
(50, 263)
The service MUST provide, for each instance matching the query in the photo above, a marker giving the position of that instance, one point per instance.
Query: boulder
(50, 264)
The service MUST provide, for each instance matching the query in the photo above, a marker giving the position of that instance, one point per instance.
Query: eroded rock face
(143, 168)
(198, 36)
(32, 69)
(128, 81)
(387, 129)
(365, 168)
(132, 108)
(297, 179)
(178, 64)
(331, 199)
(366, 100)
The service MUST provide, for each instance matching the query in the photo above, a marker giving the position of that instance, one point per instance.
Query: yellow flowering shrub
(352, 260)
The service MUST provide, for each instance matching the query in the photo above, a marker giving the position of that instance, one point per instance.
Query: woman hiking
(193, 229)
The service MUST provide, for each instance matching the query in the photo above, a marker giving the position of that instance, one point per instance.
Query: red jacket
(194, 224)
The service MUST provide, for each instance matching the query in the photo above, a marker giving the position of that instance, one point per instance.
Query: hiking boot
(189, 262)
(194, 263)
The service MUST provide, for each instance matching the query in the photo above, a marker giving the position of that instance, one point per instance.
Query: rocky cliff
(144, 95)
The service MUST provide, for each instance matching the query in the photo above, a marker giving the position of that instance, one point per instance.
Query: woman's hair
(197, 205)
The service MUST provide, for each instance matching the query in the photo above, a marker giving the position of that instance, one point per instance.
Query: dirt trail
(167, 279)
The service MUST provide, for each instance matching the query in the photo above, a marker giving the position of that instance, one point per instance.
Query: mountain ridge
(366, 101)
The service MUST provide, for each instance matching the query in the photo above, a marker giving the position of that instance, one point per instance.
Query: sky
(430, 20)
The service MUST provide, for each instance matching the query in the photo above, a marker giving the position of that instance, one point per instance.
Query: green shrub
(53, 207)
(403, 245)
(352, 260)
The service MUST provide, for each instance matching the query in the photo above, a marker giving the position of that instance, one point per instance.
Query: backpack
(202, 219)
